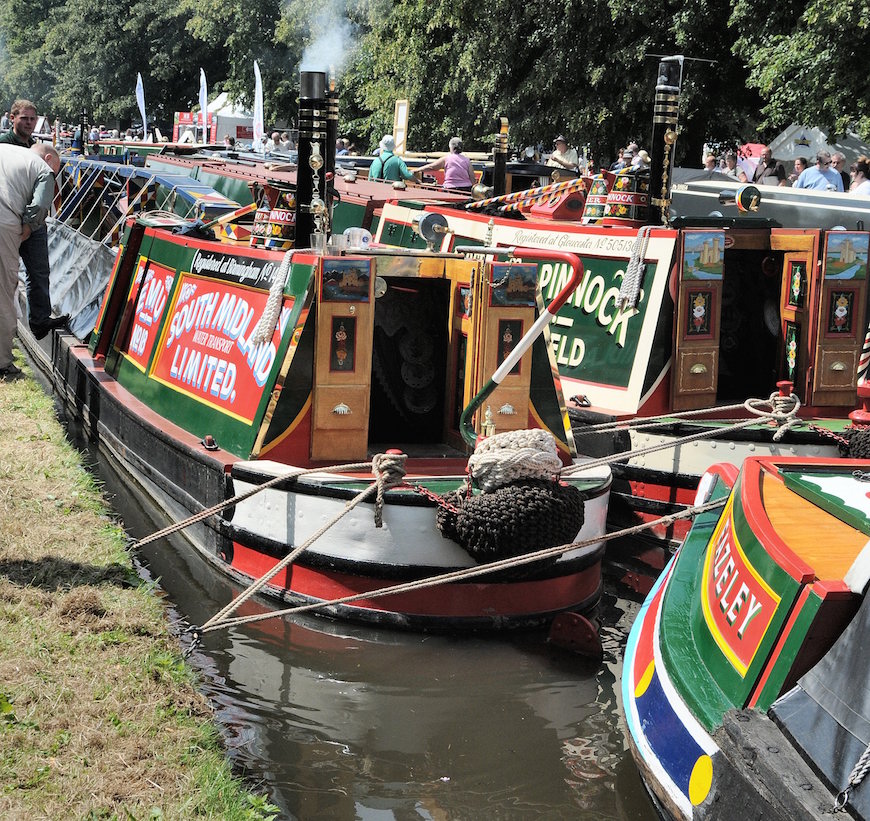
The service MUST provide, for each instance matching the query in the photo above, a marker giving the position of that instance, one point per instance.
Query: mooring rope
(389, 472)
(786, 419)
(291, 475)
(661, 420)
(218, 622)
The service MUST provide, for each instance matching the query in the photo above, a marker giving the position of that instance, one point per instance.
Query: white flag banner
(140, 101)
(258, 106)
(203, 105)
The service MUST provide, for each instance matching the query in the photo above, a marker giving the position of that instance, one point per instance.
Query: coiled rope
(265, 327)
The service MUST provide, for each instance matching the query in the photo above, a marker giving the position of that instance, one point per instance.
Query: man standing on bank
(26, 193)
(34, 250)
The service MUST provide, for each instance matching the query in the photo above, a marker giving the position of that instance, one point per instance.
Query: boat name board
(251, 271)
(206, 350)
(737, 602)
(597, 298)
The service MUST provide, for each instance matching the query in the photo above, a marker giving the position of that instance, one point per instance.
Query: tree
(24, 68)
(805, 59)
(241, 32)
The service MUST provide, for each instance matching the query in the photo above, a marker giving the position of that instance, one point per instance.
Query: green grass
(100, 717)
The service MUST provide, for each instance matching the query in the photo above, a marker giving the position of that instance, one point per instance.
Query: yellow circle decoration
(701, 780)
(645, 679)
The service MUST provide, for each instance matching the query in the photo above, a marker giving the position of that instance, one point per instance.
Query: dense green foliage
(581, 67)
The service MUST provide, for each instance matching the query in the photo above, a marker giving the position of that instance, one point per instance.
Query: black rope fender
(857, 444)
(518, 518)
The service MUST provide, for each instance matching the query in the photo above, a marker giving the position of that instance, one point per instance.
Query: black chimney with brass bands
(664, 136)
(331, 121)
(311, 210)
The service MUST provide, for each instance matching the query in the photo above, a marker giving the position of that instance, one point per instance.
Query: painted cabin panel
(185, 346)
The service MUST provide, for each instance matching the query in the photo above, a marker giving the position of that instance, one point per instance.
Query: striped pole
(549, 197)
(864, 360)
(541, 191)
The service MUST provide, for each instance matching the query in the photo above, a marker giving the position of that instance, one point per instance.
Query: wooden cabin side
(369, 352)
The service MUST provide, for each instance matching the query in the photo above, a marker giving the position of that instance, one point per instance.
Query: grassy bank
(99, 715)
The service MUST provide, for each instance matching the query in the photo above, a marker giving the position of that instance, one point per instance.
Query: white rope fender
(629, 289)
(507, 457)
(265, 327)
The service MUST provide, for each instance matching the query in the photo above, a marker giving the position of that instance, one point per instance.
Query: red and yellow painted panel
(738, 604)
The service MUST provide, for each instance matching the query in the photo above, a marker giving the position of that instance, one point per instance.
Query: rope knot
(782, 409)
(389, 472)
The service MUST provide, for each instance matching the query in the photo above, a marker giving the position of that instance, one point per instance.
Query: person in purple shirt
(820, 176)
(458, 175)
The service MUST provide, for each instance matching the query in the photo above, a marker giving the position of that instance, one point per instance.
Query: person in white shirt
(563, 156)
(26, 194)
(860, 173)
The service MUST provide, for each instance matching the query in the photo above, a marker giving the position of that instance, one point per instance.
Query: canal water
(343, 722)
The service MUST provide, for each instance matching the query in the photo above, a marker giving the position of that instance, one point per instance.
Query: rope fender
(523, 506)
(532, 514)
(857, 443)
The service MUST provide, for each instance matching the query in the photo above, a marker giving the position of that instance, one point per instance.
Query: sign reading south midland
(738, 604)
(206, 350)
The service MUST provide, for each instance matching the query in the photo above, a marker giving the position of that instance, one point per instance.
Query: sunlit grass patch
(99, 714)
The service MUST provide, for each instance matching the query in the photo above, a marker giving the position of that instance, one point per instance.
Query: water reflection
(345, 722)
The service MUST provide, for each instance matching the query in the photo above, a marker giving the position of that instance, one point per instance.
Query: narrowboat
(375, 434)
(744, 678)
(699, 296)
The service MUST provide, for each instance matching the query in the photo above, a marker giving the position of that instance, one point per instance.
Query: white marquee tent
(797, 141)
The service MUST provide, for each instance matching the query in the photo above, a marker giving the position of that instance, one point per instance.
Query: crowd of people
(829, 171)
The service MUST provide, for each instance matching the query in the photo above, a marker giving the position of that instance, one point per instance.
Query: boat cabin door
(504, 298)
(797, 304)
(699, 307)
(841, 318)
(342, 358)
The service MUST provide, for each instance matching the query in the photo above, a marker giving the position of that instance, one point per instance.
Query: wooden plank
(828, 545)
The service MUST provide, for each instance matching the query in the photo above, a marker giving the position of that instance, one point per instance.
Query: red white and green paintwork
(173, 387)
(740, 613)
(706, 331)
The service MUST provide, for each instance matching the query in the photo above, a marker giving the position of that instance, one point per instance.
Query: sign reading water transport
(206, 350)
(738, 604)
